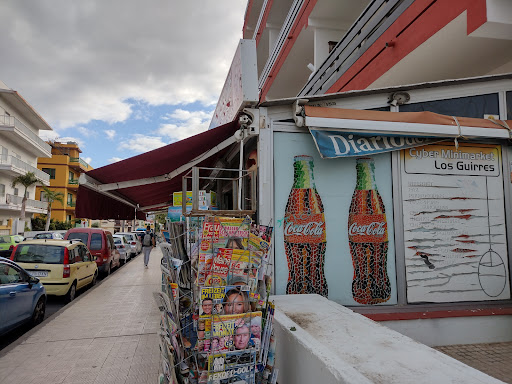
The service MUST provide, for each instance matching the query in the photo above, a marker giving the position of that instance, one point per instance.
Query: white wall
(320, 341)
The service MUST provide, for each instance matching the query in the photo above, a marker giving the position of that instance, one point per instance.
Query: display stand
(216, 318)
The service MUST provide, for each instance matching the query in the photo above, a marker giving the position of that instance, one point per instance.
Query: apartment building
(20, 147)
(63, 169)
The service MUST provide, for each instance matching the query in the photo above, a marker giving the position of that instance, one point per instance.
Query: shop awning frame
(424, 124)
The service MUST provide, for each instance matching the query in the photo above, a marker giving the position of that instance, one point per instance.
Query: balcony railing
(80, 161)
(17, 200)
(11, 121)
(72, 204)
(20, 164)
(73, 182)
(371, 24)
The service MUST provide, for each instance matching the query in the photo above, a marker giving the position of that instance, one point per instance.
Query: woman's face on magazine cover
(234, 304)
(256, 330)
(242, 337)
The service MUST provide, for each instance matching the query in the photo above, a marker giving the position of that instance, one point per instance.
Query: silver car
(123, 247)
(133, 241)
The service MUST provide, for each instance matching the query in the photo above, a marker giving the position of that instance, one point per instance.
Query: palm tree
(26, 180)
(51, 196)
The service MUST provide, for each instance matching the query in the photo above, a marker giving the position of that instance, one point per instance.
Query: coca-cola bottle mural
(368, 238)
(304, 232)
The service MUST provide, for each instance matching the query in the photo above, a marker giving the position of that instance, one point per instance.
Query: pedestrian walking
(148, 242)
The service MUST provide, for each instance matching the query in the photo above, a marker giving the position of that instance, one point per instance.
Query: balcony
(79, 163)
(13, 203)
(73, 183)
(15, 167)
(71, 205)
(22, 135)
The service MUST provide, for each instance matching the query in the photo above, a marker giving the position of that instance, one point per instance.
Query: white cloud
(89, 61)
(87, 159)
(87, 132)
(110, 134)
(141, 143)
(188, 124)
(114, 159)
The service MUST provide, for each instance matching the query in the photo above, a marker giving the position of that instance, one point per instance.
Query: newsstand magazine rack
(216, 316)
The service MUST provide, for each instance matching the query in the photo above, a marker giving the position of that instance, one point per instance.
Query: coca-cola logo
(373, 229)
(312, 228)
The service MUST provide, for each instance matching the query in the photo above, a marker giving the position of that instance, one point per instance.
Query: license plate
(39, 273)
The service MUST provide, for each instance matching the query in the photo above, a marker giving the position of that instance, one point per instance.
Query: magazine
(212, 299)
(219, 232)
(234, 267)
(235, 332)
(232, 367)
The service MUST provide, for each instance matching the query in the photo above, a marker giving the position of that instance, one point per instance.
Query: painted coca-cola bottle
(368, 238)
(304, 232)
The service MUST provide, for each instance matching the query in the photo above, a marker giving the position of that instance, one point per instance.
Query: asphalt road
(53, 304)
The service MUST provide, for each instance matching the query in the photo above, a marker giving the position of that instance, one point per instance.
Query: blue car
(22, 297)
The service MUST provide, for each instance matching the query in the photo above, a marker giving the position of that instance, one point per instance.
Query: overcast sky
(120, 77)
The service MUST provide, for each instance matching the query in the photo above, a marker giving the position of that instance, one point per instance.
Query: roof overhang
(146, 182)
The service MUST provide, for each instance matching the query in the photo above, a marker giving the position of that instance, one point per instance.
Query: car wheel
(39, 311)
(94, 278)
(71, 293)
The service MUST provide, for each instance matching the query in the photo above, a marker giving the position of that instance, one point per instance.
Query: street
(53, 305)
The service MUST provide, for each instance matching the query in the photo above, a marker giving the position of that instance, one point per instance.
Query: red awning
(103, 199)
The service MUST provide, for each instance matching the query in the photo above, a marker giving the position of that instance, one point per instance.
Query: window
(42, 196)
(27, 194)
(68, 218)
(71, 175)
(50, 171)
(9, 275)
(5, 152)
(70, 200)
(16, 191)
(96, 242)
(471, 106)
(84, 254)
(2, 189)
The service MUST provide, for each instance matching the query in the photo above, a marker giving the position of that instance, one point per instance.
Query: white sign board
(454, 223)
(241, 86)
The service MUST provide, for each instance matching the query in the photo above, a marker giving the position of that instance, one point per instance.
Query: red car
(100, 244)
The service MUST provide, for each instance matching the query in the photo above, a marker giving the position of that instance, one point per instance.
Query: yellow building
(64, 168)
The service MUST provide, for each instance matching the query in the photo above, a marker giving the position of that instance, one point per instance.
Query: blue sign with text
(332, 144)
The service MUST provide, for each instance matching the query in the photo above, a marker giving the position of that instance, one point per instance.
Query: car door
(79, 266)
(88, 264)
(16, 296)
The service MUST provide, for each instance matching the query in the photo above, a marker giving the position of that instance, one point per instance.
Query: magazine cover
(232, 367)
(219, 232)
(212, 299)
(234, 267)
(234, 332)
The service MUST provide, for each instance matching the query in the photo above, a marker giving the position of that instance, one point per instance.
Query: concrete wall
(455, 330)
(320, 341)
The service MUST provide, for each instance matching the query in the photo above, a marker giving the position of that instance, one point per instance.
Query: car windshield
(5, 239)
(43, 236)
(39, 253)
(82, 236)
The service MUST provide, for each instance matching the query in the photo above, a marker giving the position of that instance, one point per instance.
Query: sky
(119, 77)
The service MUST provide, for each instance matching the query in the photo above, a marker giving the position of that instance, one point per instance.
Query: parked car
(134, 241)
(101, 244)
(123, 247)
(63, 266)
(49, 235)
(22, 297)
(7, 244)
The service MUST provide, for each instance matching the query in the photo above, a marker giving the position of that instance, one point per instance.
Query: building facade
(20, 147)
(63, 168)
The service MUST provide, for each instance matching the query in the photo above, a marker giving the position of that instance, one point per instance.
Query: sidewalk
(495, 359)
(107, 335)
